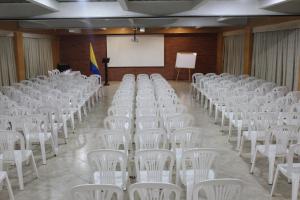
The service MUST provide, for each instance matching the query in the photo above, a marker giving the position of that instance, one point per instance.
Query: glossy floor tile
(71, 168)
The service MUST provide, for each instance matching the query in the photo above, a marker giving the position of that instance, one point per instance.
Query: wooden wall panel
(74, 51)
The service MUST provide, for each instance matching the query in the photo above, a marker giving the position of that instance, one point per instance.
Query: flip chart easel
(185, 60)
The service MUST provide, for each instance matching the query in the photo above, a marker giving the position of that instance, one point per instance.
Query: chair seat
(145, 178)
(11, 156)
(190, 177)
(258, 134)
(273, 150)
(117, 180)
(58, 125)
(35, 137)
(295, 169)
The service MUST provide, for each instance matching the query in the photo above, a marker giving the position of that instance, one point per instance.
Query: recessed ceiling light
(104, 28)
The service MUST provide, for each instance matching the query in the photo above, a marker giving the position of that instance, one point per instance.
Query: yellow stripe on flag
(92, 56)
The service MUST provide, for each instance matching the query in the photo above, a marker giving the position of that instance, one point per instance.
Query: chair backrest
(283, 135)
(178, 121)
(218, 189)
(200, 161)
(6, 122)
(154, 162)
(157, 191)
(150, 140)
(294, 149)
(116, 140)
(118, 123)
(143, 123)
(122, 111)
(97, 192)
(189, 137)
(289, 118)
(35, 124)
(106, 162)
(8, 140)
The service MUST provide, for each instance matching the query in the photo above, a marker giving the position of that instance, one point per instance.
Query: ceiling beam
(115, 10)
(51, 5)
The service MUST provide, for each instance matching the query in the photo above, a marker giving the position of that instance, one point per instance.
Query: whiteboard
(186, 60)
(147, 52)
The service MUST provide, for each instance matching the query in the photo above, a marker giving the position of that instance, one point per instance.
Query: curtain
(8, 72)
(276, 57)
(38, 56)
(233, 52)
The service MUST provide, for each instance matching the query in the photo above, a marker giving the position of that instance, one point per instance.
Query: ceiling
(87, 14)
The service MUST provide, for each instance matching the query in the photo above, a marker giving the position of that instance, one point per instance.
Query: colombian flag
(93, 62)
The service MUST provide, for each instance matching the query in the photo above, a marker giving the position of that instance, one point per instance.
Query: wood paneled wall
(74, 50)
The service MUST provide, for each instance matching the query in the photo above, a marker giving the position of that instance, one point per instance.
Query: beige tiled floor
(70, 167)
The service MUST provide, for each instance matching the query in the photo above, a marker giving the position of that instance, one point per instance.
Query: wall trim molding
(6, 33)
(235, 32)
(295, 24)
(34, 35)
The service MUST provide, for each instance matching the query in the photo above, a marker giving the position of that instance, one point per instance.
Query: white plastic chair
(36, 131)
(196, 167)
(283, 135)
(96, 192)
(184, 139)
(10, 155)
(218, 189)
(159, 191)
(109, 167)
(154, 165)
(291, 170)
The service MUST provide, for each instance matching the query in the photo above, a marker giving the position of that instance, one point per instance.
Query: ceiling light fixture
(142, 30)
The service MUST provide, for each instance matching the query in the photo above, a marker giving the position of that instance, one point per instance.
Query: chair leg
(10, 192)
(210, 108)
(43, 148)
(216, 114)
(20, 173)
(79, 115)
(275, 181)
(189, 191)
(230, 130)
(242, 145)
(295, 188)
(34, 165)
(223, 120)
(253, 162)
(239, 135)
(271, 169)
(72, 122)
(65, 129)
(253, 147)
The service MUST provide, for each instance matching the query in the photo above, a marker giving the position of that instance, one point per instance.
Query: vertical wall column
(55, 51)
(19, 54)
(220, 43)
(248, 47)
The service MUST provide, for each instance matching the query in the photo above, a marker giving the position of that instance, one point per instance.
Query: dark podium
(105, 61)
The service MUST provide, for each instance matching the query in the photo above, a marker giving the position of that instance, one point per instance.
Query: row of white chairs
(265, 114)
(152, 129)
(34, 111)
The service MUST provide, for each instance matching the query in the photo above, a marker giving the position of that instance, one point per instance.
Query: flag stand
(105, 61)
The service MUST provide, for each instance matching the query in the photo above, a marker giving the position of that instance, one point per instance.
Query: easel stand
(178, 72)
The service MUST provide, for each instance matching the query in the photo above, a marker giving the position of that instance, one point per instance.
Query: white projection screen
(147, 51)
